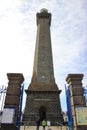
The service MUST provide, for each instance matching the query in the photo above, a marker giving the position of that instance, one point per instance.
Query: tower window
(43, 76)
(43, 62)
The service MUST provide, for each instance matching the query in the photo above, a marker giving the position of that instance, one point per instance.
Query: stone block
(77, 91)
(12, 100)
(74, 121)
(78, 100)
(73, 110)
(13, 91)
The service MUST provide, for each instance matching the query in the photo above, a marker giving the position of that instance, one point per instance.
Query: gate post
(76, 97)
(12, 101)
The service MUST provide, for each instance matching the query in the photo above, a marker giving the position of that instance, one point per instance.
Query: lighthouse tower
(43, 101)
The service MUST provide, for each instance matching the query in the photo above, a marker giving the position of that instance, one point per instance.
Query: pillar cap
(13, 76)
(74, 76)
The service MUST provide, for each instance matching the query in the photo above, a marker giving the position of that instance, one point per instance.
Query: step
(46, 128)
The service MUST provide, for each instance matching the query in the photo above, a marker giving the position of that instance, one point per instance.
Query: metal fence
(85, 93)
(2, 96)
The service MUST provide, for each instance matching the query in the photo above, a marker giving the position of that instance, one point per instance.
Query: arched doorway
(42, 113)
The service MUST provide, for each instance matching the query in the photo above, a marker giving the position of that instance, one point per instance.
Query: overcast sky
(68, 36)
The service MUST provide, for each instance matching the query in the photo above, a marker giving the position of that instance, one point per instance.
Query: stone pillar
(13, 97)
(77, 98)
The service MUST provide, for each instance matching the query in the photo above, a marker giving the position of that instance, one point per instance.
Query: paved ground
(47, 128)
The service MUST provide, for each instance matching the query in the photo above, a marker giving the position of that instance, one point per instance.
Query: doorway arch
(42, 113)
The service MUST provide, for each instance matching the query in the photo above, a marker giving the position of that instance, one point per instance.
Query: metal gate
(85, 93)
